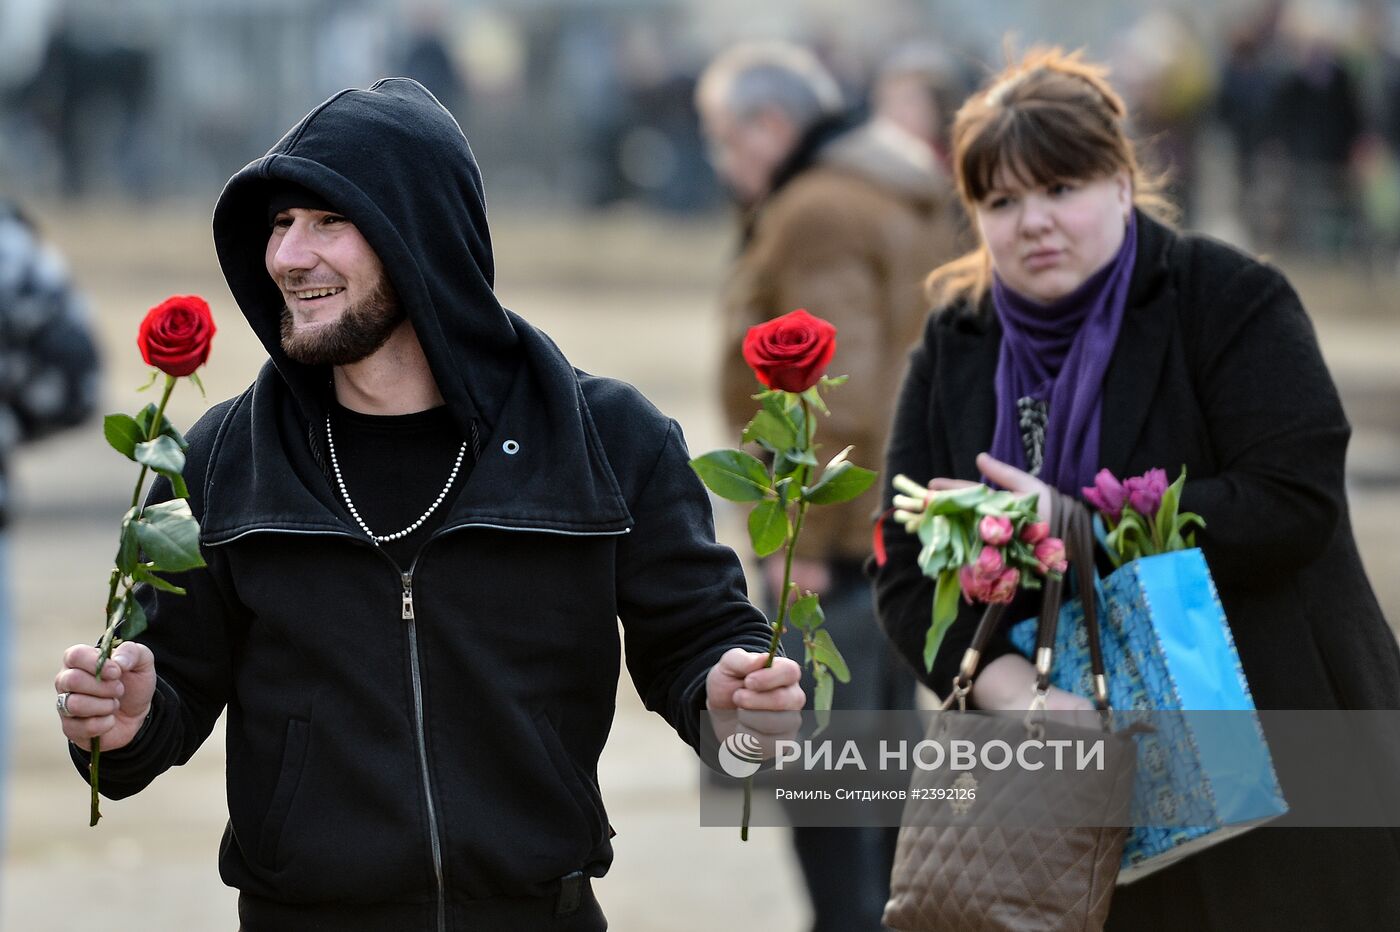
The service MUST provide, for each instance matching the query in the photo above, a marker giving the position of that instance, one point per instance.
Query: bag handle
(1076, 530)
(1081, 542)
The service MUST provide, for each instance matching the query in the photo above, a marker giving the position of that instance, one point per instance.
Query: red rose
(176, 333)
(790, 353)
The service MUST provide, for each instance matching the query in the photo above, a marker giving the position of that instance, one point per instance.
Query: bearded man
(421, 526)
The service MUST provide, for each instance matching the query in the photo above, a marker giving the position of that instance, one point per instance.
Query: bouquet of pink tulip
(978, 543)
(1140, 514)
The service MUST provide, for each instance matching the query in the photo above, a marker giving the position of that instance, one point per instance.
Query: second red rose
(176, 333)
(790, 353)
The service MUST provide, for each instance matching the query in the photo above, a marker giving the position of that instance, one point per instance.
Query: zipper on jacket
(408, 616)
(420, 730)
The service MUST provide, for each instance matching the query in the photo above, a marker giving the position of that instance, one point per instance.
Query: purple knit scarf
(1059, 353)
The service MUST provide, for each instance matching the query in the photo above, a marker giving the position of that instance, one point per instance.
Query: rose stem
(808, 433)
(105, 644)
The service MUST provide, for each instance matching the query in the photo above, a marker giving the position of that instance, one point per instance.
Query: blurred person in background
(49, 378)
(1168, 81)
(426, 56)
(1374, 61)
(918, 88)
(841, 220)
(1315, 118)
(1253, 69)
(417, 699)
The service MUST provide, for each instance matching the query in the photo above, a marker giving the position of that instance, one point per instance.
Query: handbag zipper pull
(407, 596)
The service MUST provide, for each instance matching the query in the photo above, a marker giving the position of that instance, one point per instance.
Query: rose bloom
(790, 353)
(176, 334)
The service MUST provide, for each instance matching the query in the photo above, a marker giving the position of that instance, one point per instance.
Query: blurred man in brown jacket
(845, 221)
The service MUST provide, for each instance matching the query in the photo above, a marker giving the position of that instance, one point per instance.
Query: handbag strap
(1080, 542)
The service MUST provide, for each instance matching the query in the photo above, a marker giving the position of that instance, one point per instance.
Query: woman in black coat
(1085, 334)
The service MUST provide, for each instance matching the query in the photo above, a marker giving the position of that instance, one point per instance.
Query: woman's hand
(1015, 480)
(1007, 684)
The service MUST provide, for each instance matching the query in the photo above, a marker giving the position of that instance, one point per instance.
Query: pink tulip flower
(1035, 532)
(1050, 555)
(995, 531)
(1107, 494)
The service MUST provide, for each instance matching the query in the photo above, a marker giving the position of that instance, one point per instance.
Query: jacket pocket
(582, 787)
(288, 779)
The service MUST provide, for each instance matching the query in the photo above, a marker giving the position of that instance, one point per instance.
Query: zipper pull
(407, 596)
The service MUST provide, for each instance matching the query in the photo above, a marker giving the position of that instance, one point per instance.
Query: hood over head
(395, 163)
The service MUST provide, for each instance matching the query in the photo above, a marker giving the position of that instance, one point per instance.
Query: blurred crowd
(1280, 118)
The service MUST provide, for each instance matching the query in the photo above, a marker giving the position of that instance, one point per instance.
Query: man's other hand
(740, 681)
(112, 708)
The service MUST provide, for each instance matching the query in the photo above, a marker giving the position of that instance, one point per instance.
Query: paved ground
(629, 295)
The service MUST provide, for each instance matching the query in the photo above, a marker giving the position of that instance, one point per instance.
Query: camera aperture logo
(740, 755)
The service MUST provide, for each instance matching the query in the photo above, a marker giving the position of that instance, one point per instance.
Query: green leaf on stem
(952, 501)
(937, 535)
(824, 650)
(825, 692)
(123, 433)
(155, 374)
(840, 458)
(957, 539)
(768, 527)
(806, 613)
(169, 534)
(1168, 526)
(147, 415)
(774, 432)
(997, 503)
(831, 381)
(194, 377)
(945, 610)
(845, 482)
(162, 454)
(733, 475)
(129, 548)
(135, 621)
(142, 574)
(814, 398)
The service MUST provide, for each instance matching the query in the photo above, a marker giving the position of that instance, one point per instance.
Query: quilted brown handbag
(1023, 868)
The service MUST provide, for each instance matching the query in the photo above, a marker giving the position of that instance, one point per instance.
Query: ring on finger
(62, 705)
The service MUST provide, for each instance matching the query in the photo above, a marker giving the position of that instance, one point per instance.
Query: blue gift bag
(1167, 647)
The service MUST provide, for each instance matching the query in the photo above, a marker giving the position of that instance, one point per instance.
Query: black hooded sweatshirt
(416, 747)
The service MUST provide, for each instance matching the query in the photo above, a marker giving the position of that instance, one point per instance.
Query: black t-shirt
(395, 466)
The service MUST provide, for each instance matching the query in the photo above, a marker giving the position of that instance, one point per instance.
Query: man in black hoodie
(421, 526)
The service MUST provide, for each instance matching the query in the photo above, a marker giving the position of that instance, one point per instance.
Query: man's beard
(361, 330)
